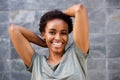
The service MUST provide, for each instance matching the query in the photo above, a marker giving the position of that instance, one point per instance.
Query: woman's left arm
(80, 27)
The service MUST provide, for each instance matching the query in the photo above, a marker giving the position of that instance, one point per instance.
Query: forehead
(57, 24)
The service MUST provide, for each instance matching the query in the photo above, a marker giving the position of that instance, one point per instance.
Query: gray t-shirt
(73, 66)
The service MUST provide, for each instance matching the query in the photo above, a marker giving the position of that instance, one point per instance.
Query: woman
(61, 64)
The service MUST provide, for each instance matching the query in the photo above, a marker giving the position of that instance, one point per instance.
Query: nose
(57, 36)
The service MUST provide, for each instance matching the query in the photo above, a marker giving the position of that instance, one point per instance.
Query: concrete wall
(104, 31)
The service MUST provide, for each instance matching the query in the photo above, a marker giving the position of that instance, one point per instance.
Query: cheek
(66, 39)
(47, 35)
(48, 38)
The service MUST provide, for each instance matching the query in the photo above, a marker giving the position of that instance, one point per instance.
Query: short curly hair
(53, 15)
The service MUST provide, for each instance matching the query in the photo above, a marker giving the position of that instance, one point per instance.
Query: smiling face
(56, 35)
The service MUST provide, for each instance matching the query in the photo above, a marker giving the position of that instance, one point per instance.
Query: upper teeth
(58, 44)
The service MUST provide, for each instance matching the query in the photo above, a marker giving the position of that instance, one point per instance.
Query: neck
(54, 58)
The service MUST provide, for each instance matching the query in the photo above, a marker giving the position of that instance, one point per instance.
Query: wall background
(104, 31)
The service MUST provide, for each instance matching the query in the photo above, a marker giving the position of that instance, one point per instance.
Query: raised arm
(21, 39)
(80, 28)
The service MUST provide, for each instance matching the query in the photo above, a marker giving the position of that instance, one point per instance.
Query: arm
(21, 39)
(80, 26)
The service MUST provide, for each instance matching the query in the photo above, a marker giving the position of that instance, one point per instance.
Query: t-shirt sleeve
(82, 58)
(79, 52)
(35, 55)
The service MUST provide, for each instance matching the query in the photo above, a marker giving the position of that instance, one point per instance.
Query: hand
(44, 43)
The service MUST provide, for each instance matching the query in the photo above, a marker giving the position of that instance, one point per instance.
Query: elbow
(80, 7)
(12, 28)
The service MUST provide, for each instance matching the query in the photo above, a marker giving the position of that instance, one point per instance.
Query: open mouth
(57, 45)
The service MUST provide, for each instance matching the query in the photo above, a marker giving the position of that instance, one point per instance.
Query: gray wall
(104, 31)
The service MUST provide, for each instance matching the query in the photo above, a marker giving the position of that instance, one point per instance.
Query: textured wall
(104, 31)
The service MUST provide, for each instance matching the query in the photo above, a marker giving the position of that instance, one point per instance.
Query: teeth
(57, 44)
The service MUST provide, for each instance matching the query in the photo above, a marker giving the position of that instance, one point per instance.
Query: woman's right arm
(21, 39)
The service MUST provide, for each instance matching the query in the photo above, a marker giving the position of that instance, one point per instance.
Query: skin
(56, 36)
(22, 37)
(80, 26)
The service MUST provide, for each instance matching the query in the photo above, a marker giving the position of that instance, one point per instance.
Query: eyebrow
(64, 30)
(53, 29)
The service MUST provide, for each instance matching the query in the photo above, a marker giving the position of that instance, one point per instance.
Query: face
(56, 35)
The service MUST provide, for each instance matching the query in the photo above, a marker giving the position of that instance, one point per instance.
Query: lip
(57, 45)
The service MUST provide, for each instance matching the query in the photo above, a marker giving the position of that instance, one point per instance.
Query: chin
(58, 51)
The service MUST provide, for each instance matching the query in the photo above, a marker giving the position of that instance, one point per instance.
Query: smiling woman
(55, 26)
(56, 36)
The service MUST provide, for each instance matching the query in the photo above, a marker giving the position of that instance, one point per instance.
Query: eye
(52, 32)
(64, 33)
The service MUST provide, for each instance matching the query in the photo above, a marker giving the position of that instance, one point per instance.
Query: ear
(43, 35)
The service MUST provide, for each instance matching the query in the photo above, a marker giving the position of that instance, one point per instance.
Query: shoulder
(74, 49)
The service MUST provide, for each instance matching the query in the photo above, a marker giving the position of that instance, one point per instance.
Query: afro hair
(55, 14)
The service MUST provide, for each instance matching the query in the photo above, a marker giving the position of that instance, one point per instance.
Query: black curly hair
(53, 15)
